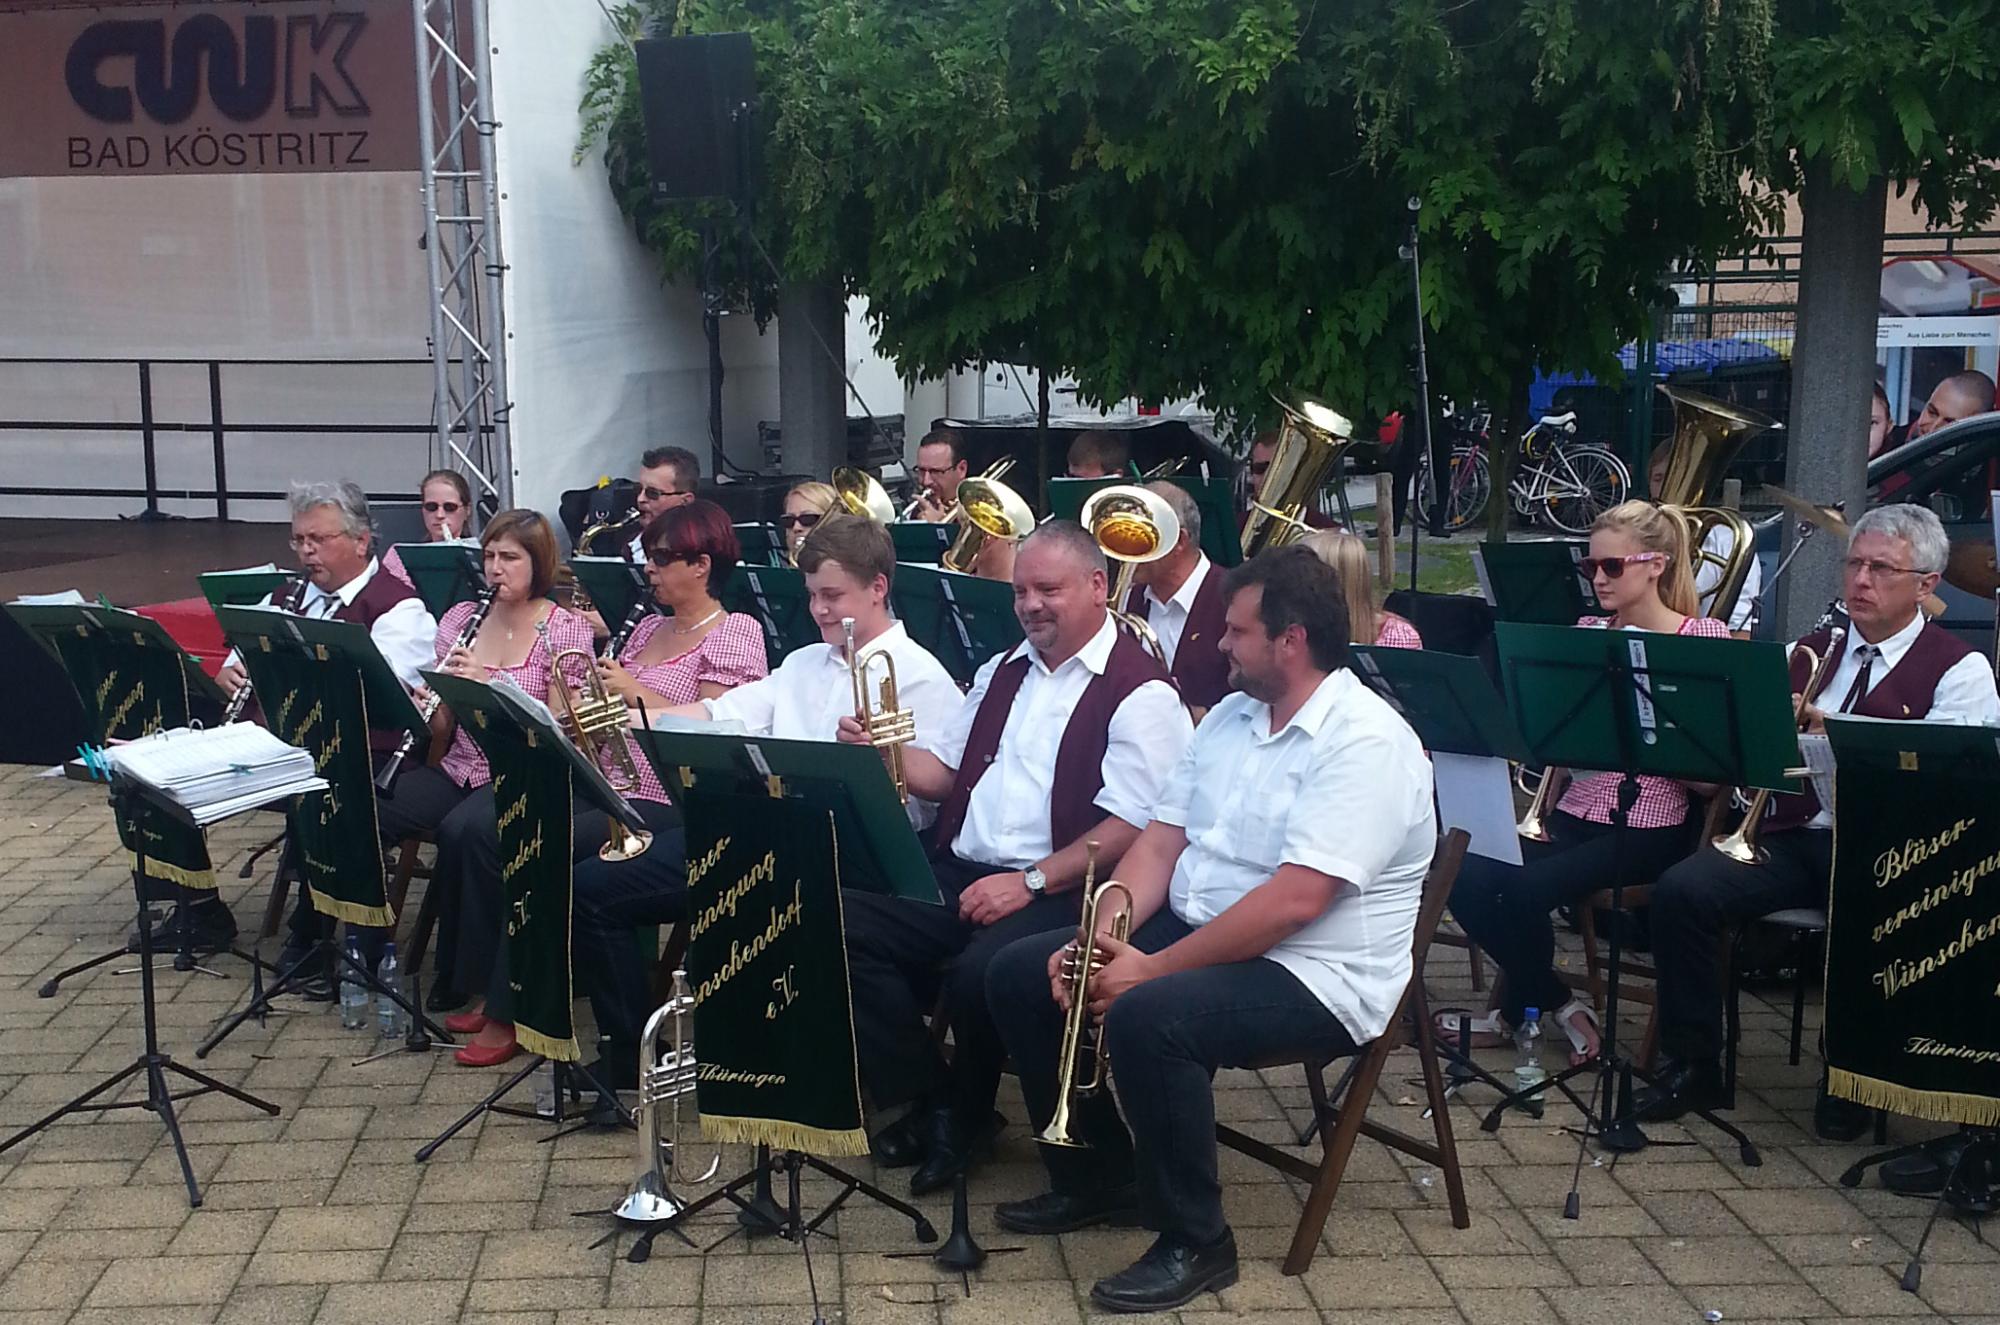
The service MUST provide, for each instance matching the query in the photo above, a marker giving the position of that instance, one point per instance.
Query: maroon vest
(1200, 670)
(1079, 772)
(1904, 692)
(382, 592)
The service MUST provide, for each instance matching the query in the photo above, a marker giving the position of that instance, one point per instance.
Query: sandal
(1578, 1021)
(1488, 1030)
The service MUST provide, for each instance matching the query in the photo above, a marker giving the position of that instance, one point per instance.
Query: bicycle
(1563, 484)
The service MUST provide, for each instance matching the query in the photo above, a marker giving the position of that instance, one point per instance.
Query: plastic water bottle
(389, 1017)
(545, 1090)
(353, 993)
(1528, 1040)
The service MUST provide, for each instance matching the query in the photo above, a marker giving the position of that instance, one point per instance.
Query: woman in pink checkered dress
(1367, 621)
(1640, 568)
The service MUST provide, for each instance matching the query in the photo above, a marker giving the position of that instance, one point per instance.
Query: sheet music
(67, 598)
(217, 772)
(268, 568)
(1818, 752)
(1485, 583)
(1476, 793)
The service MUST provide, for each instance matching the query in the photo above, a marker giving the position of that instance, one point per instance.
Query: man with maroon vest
(333, 541)
(1891, 663)
(1064, 740)
(1180, 597)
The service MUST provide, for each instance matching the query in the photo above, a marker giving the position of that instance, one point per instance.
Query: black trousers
(612, 898)
(899, 953)
(1505, 908)
(1699, 900)
(1166, 1039)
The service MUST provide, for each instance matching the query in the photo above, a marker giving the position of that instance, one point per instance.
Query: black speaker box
(697, 95)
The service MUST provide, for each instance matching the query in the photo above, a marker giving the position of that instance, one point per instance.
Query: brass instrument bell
(987, 510)
(1708, 433)
(664, 1080)
(1132, 526)
(1311, 440)
(1084, 1065)
(862, 494)
(597, 723)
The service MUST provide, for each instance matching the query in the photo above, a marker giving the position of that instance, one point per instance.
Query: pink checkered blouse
(729, 655)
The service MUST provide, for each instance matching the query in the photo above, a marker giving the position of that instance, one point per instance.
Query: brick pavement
(321, 1214)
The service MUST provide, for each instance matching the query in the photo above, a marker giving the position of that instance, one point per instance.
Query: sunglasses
(651, 493)
(663, 556)
(806, 521)
(1613, 567)
(448, 507)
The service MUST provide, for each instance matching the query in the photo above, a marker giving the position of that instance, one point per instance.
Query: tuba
(1132, 526)
(597, 724)
(1085, 1065)
(887, 725)
(1707, 435)
(987, 509)
(862, 494)
(1311, 441)
(662, 1082)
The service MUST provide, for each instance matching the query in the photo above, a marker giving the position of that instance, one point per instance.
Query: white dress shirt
(1708, 578)
(813, 689)
(1007, 819)
(1343, 789)
(405, 635)
(1964, 697)
(1169, 619)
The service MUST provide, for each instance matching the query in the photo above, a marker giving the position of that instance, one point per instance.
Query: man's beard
(1261, 688)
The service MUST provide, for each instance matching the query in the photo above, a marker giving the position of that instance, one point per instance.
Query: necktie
(1867, 653)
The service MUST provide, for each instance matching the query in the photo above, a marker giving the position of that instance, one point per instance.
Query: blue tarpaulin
(1676, 357)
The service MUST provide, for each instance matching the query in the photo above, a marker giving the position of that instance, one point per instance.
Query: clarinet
(623, 635)
(428, 708)
(286, 600)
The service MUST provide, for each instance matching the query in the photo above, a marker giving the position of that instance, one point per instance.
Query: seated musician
(806, 504)
(1099, 453)
(1064, 739)
(1892, 663)
(1367, 621)
(446, 503)
(1640, 569)
(453, 797)
(940, 469)
(333, 540)
(696, 651)
(669, 476)
(1180, 597)
(1274, 897)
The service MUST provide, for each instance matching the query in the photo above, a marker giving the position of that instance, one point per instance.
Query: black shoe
(1066, 1212)
(951, 1148)
(901, 1143)
(1682, 1088)
(212, 928)
(1840, 1120)
(305, 959)
(443, 998)
(617, 1069)
(1171, 1274)
(1923, 1173)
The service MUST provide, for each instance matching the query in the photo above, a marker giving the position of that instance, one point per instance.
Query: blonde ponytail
(1659, 529)
(1348, 555)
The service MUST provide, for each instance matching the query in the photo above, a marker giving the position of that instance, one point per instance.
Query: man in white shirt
(1892, 664)
(1063, 742)
(1274, 897)
(1180, 597)
(940, 469)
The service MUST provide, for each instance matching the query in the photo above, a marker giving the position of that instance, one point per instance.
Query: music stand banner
(1913, 924)
(767, 959)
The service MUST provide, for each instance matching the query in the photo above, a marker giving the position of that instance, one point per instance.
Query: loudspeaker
(696, 95)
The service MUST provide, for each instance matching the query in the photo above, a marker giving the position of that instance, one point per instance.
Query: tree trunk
(1510, 420)
(1833, 369)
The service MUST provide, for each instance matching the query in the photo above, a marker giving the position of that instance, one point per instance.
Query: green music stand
(1537, 582)
(879, 850)
(1215, 498)
(445, 574)
(962, 619)
(776, 596)
(390, 708)
(1447, 699)
(118, 627)
(616, 587)
(240, 588)
(921, 542)
(761, 544)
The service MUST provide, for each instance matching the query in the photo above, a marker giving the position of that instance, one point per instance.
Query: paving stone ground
(321, 1214)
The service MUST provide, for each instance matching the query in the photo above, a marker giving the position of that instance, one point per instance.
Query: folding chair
(1341, 1124)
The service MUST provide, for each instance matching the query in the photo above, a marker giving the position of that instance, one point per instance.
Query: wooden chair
(1342, 1123)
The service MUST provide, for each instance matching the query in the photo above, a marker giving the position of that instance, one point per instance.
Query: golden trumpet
(888, 726)
(1085, 1062)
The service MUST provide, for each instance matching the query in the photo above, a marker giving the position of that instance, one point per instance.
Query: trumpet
(663, 1081)
(1085, 1062)
(597, 724)
(1742, 846)
(285, 600)
(887, 725)
(427, 707)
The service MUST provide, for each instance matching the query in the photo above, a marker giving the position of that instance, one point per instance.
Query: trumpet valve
(892, 727)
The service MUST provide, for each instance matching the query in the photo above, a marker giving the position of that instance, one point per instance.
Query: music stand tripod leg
(430, 1147)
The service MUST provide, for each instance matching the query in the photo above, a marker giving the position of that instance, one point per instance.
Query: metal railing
(217, 426)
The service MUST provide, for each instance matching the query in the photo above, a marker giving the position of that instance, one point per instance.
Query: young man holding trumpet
(1262, 922)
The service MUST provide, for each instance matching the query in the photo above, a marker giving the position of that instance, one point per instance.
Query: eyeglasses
(651, 493)
(926, 471)
(1878, 569)
(313, 542)
(666, 556)
(448, 507)
(806, 521)
(1613, 567)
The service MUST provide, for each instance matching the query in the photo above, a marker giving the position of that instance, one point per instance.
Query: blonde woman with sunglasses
(446, 500)
(1639, 567)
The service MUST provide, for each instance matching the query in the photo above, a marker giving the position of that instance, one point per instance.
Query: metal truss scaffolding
(468, 336)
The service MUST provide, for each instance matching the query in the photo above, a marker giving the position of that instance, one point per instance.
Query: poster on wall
(324, 86)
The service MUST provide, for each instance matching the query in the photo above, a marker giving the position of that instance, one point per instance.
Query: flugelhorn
(1085, 1062)
(287, 599)
(427, 708)
(1132, 526)
(597, 723)
(1742, 846)
(663, 1081)
(888, 726)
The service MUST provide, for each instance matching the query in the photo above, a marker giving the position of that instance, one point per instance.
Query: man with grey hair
(1891, 662)
(1062, 746)
(1182, 601)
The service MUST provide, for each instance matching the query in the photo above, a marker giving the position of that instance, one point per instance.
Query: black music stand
(1630, 702)
(127, 796)
(445, 574)
(776, 596)
(1538, 581)
(962, 619)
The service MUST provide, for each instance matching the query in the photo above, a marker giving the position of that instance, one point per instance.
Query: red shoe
(483, 1055)
(465, 1023)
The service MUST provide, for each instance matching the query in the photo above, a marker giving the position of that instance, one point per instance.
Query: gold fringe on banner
(781, 1135)
(377, 917)
(201, 880)
(562, 1051)
(1938, 1106)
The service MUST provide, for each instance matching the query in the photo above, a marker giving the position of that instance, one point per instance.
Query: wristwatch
(1035, 879)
